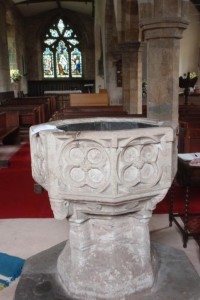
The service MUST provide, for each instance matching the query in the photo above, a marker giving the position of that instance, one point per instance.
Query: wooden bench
(47, 105)
(94, 110)
(48, 101)
(192, 140)
(27, 115)
(23, 106)
(189, 112)
(115, 111)
(189, 136)
(189, 128)
(92, 99)
(9, 127)
(89, 112)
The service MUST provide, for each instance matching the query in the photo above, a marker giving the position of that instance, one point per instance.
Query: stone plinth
(39, 279)
(105, 176)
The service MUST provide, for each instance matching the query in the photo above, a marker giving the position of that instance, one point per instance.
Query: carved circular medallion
(138, 164)
(84, 163)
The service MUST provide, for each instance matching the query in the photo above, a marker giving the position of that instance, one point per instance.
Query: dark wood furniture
(38, 87)
(62, 97)
(89, 112)
(189, 136)
(192, 99)
(9, 127)
(46, 104)
(187, 176)
(28, 115)
(90, 99)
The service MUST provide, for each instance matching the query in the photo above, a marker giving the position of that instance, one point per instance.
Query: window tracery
(62, 57)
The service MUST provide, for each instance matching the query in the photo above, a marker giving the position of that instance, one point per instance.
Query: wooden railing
(37, 88)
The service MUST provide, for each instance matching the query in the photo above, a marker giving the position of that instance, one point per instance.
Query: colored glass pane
(62, 60)
(73, 42)
(49, 41)
(54, 33)
(61, 26)
(48, 65)
(76, 63)
(68, 33)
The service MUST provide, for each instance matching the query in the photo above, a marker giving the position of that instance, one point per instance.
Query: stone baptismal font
(105, 176)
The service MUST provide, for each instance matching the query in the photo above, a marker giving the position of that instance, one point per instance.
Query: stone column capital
(169, 28)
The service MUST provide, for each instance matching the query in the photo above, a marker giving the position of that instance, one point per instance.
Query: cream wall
(190, 44)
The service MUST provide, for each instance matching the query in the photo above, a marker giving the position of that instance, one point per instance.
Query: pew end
(90, 99)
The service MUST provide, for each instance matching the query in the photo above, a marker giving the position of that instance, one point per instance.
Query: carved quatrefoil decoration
(138, 165)
(85, 164)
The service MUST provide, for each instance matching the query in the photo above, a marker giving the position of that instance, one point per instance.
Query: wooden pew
(103, 110)
(89, 111)
(28, 115)
(186, 112)
(189, 128)
(9, 127)
(47, 105)
(192, 140)
(189, 136)
(48, 101)
(22, 105)
(189, 113)
(92, 99)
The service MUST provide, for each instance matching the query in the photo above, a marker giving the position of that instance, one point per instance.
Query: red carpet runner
(18, 199)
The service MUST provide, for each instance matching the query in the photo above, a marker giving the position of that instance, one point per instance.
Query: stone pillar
(132, 76)
(107, 255)
(4, 60)
(162, 24)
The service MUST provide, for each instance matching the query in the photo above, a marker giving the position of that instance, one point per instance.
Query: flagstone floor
(26, 237)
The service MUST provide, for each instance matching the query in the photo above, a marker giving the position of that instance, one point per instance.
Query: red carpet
(179, 201)
(18, 199)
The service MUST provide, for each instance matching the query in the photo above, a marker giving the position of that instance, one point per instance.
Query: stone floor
(6, 152)
(27, 237)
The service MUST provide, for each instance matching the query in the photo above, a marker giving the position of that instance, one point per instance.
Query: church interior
(71, 68)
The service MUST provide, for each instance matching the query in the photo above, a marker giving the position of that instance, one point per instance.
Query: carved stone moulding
(105, 161)
(105, 175)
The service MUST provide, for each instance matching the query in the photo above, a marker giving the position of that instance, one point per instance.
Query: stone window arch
(62, 54)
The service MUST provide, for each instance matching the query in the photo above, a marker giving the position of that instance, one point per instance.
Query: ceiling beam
(57, 1)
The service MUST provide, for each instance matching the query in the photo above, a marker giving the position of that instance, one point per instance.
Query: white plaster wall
(190, 44)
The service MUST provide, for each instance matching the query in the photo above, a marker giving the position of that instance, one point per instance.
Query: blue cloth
(10, 268)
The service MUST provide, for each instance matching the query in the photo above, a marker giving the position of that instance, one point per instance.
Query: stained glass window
(76, 63)
(48, 65)
(62, 56)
